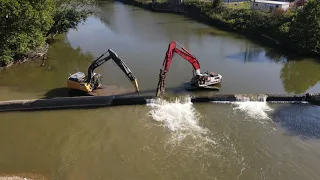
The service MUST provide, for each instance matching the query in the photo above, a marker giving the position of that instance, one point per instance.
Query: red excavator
(199, 80)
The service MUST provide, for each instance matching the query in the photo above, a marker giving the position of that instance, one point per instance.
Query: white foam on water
(256, 109)
(186, 135)
(182, 119)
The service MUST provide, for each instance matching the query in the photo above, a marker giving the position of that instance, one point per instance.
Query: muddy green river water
(162, 140)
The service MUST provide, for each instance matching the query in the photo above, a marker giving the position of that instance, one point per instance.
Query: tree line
(298, 28)
(28, 24)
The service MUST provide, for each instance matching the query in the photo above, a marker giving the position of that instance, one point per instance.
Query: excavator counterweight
(92, 81)
(199, 80)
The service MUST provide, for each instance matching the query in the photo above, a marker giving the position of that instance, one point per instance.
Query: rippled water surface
(165, 140)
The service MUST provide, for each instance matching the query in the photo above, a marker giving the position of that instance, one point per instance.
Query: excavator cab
(92, 81)
(96, 81)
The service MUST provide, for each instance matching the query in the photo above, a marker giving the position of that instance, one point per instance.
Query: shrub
(305, 29)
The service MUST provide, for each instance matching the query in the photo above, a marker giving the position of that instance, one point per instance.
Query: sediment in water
(106, 101)
(22, 176)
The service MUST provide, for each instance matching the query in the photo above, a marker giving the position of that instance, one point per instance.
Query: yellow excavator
(92, 81)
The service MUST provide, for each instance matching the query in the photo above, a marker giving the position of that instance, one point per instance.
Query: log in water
(105, 101)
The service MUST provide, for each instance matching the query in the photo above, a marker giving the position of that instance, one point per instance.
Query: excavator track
(193, 88)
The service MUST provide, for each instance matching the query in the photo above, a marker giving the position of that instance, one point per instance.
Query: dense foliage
(25, 24)
(304, 31)
(65, 19)
(216, 3)
(22, 24)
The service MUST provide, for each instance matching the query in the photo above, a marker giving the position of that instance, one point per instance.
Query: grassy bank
(296, 29)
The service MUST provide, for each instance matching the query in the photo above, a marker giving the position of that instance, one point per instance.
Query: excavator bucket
(158, 90)
(160, 87)
(135, 84)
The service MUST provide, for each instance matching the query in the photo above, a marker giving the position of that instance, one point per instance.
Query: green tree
(216, 3)
(68, 14)
(25, 24)
(304, 31)
(22, 26)
(64, 19)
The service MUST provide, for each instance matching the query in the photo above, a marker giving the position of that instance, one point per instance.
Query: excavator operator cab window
(78, 76)
(212, 74)
(96, 80)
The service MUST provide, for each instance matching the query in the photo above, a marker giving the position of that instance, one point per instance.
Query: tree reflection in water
(297, 74)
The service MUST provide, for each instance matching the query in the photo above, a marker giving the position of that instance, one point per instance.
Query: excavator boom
(172, 48)
(125, 69)
(96, 63)
(112, 55)
(183, 53)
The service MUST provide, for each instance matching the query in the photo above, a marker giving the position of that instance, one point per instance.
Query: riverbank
(270, 29)
(39, 53)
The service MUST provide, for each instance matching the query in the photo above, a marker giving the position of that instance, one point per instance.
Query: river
(162, 140)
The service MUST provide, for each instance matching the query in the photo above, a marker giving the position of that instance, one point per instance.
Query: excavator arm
(96, 63)
(112, 55)
(125, 69)
(172, 48)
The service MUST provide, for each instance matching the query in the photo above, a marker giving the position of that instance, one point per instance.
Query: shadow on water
(57, 92)
(179, 90)
(252, 53)
(65, 92)
(299, 120)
